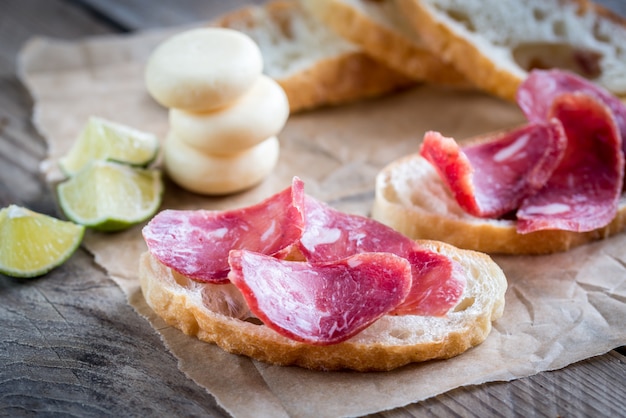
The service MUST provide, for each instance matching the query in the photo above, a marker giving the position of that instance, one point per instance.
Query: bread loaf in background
(329, 52)
(379, 28)
(494, 43)
(315, 66)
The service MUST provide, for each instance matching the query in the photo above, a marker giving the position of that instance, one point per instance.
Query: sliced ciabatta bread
(217, 313)
(495, 43)
(314, 66)
(412, 198)
(379, 28)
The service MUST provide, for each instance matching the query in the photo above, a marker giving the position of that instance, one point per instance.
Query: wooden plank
(71, 345)
(140, 14)
(586, 388)
(617, 6)
(20, 148)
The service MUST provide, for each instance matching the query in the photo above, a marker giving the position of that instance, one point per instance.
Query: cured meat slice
(490, 179)
(320, 303)
(536, 94)
(583, 192)
(196, 243)
(330, 234)
(438, 285)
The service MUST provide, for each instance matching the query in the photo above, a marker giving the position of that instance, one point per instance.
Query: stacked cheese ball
(224, 113)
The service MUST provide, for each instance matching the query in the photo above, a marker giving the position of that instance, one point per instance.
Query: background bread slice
(495, 42)
(411, 198)
(314, 66)
(218, 314)
(379, 28)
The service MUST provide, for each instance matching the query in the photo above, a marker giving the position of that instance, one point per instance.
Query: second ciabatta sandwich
(545, 187)
(412, 198)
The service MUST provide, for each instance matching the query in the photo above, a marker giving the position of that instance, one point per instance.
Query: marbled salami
(330, 234)
(490, 179)
(196, 243)
(583, 192)
(320, 303)
(536, 94)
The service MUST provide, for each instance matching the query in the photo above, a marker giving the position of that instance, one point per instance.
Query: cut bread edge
(411, 198)
(380, 30)
(314, 66)
(217, 314)
(494, 68)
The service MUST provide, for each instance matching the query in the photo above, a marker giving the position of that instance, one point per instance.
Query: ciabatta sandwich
(544, 187)
(291, 281)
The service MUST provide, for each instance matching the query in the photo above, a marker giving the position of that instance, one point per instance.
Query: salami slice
(536, 94)
(320, 303)
(491, 179)
(196, 243)
(330, 234)
(583, 192)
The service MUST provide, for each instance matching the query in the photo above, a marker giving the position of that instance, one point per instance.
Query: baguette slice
(312, 64)
(380, 30)
(494, 43)
(411, 198)
(218, 314)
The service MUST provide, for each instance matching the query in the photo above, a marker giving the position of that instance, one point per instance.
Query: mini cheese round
(260, 113)
(219, 175)
(203, 69)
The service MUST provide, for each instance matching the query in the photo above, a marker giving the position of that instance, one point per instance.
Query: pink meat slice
(490, 179)
(330, 234)
(320, 303)
(196, 243)
(583, 192)
(536, 94)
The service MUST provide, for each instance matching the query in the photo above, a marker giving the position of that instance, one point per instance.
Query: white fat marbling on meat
(511, 150)
(269, 232)
(353, 263)
(217, 233)
(321, 236)
(549, 209)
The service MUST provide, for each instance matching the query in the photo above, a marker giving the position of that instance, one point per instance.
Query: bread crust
(465, 56)
(379, 29)
(217, 314)
(342, 73)
(339, 80)
(411, 198)
(499, 73)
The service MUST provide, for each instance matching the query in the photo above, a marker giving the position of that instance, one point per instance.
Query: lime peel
(32, 243)
(108, 196)
(102, 139)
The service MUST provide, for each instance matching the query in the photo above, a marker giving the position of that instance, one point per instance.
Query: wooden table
(71, 345)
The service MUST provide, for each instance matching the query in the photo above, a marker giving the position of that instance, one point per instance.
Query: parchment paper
(559, 309)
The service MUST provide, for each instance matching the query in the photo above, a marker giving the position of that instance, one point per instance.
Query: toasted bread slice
(495, 43)
(379, 28)
(315, 66)
(412, 198)
(217, 313)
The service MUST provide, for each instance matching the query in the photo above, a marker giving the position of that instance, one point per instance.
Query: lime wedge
(108, 196)
(31, 243)
(101, 139)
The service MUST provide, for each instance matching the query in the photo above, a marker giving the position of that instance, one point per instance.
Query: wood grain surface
(72, 346)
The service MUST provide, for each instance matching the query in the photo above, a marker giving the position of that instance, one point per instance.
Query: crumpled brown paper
(560, 308)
